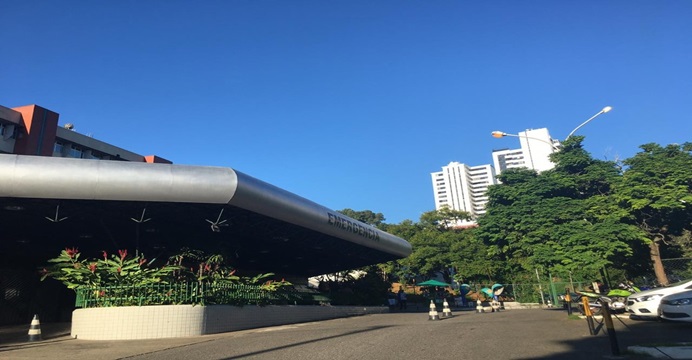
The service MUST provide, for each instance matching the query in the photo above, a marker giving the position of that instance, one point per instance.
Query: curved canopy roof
(47, 204)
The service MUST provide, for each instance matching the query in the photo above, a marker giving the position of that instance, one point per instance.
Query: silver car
(677, 306)
(645, 304)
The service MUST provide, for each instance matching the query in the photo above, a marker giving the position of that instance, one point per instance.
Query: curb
(663, 352)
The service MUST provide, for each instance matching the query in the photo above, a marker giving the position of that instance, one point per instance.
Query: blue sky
(352, 104)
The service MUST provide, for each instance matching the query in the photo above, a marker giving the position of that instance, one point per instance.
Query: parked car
(676, 307)
(645, 304)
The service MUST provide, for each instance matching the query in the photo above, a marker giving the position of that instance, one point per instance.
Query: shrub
(190, 277)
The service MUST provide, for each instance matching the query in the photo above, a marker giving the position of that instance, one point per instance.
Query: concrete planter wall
(166, 321)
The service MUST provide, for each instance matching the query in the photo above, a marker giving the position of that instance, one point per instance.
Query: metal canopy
(47, 204)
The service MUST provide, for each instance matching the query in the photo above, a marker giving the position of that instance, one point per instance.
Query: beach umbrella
(487, 291)
(433, 283)
(498, 289)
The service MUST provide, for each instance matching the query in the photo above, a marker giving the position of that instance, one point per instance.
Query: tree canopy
(365, 216)
(656, 190)
(563, 219)
(582, 217)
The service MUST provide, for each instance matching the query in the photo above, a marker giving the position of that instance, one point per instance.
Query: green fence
(193, 293)
(531, 293)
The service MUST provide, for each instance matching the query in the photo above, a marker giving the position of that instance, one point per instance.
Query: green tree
(398, 269)
(683, 243)
(656, 189)
(365, 216)
(471, 261)
(563, 220)
(441, 248)
(431, 253)
(444, 218)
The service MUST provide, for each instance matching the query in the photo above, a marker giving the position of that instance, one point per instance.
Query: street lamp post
(553, 148)
(529, 149)
(499, 134)
(603, 111)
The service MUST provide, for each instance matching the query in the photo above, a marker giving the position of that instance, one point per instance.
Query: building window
(95, 155)
(58, 148)
(8, 131)
(76, 152)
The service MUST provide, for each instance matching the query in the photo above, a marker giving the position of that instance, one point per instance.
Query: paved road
(513, 334)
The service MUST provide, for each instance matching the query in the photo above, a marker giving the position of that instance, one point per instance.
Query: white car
(645, 304)
(677, 307)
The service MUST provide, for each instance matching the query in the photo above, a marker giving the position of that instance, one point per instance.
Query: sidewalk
(19, 334)
(664, 352)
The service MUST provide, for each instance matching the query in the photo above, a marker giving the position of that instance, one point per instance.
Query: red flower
(207, 267)
(102, 293)
(142, 261)
(92, 267)
(105, 255)
(71, 252)
(123, 254)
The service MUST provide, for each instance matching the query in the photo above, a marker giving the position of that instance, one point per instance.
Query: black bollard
(611, 329)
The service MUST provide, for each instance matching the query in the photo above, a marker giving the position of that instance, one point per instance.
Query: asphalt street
(512, 334)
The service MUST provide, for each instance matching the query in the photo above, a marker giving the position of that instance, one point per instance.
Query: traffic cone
(446, 311)
(432, 315)
(35, 329)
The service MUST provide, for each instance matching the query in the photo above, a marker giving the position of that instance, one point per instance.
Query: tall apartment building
(463, 188)
(536, 147)
(34, 130)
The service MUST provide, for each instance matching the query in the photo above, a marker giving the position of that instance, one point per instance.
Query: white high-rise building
(463, 188)
(536, 147)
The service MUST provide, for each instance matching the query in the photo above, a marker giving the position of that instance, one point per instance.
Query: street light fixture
(603, 111)
(529, 153)
(499, 134)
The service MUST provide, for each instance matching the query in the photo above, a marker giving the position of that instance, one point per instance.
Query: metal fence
(540, 293)
(193, 293)
(678, 269)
